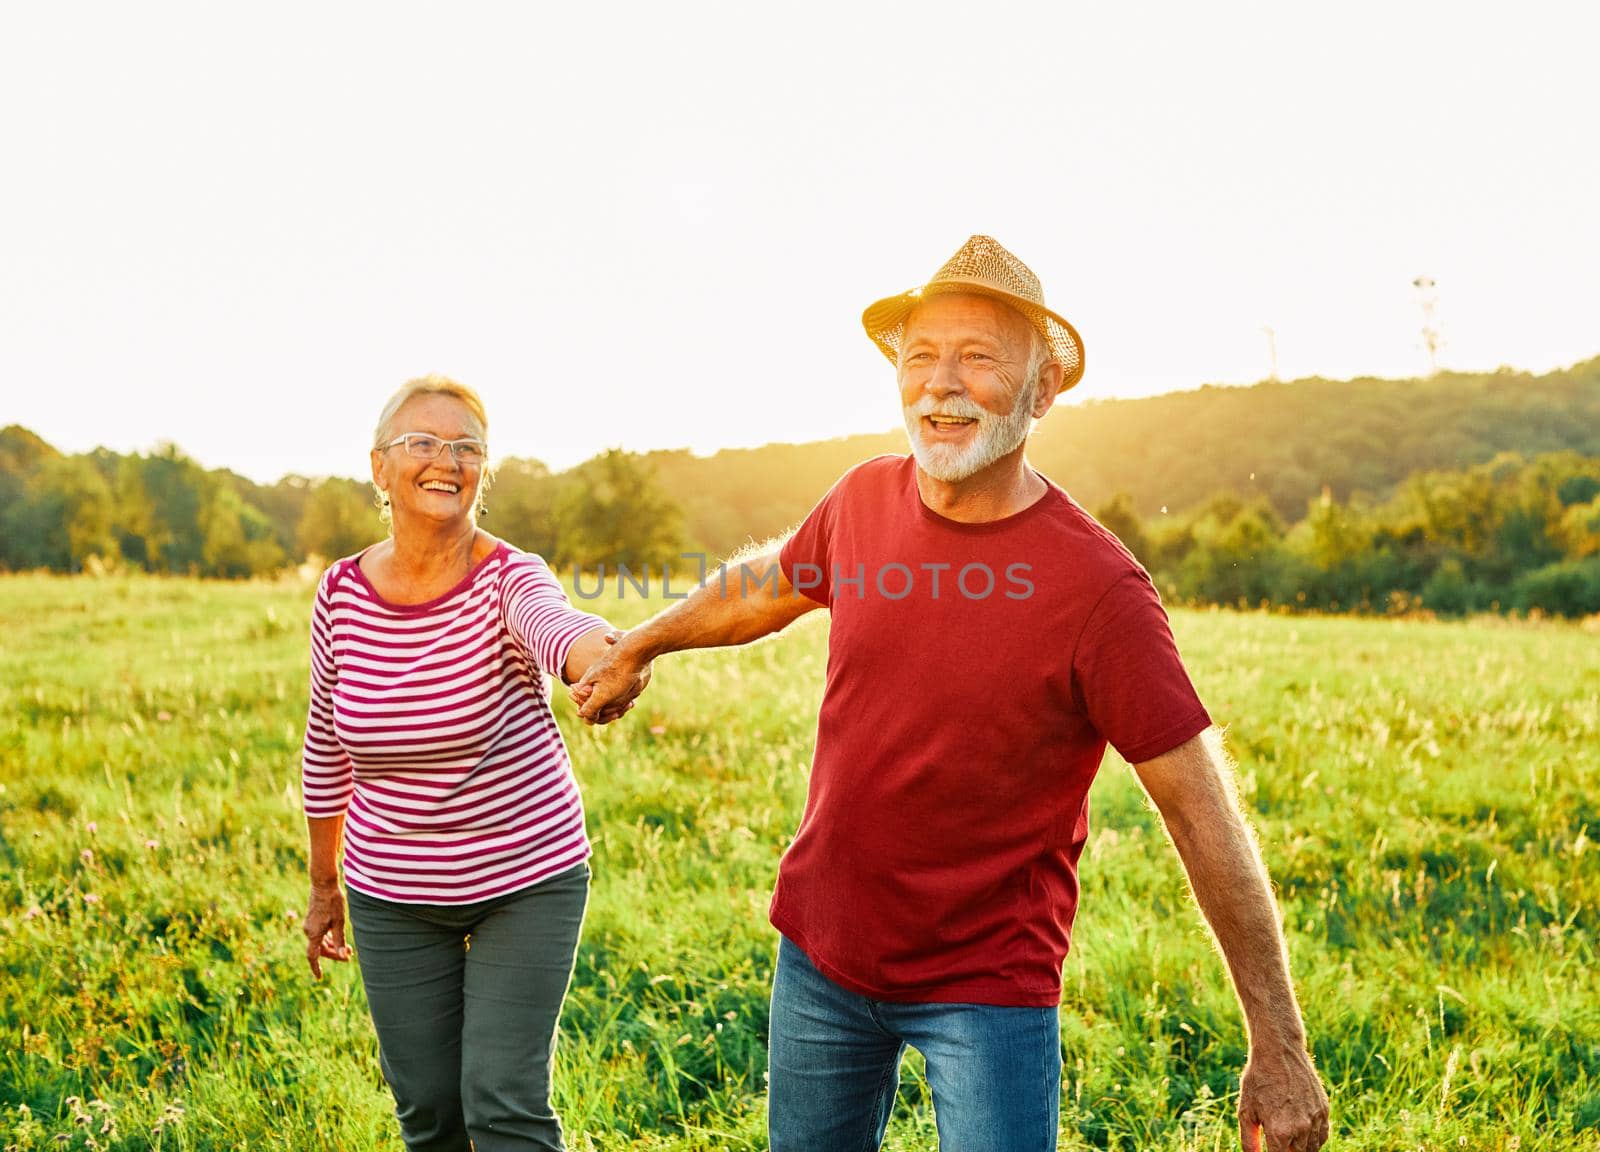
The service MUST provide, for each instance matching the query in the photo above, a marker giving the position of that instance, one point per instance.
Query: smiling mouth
(440, 486)
(950, 423)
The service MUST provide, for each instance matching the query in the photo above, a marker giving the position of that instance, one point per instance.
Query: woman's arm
(586, 651)
(561, 639)
(324, 922)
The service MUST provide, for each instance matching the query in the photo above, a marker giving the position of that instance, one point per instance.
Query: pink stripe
(431, 730)
(400, 632)
(492, 725)
(351, 677)
(462, 800)
(444, 886)
(393, 864)
(429, 787)
(535, 831)
(393, 819)
(484, 687)
(555, 868)
(418, 753)
(478, 808)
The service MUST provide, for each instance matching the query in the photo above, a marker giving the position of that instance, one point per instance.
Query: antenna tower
(1432, 339)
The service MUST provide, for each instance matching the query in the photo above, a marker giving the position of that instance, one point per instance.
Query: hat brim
(886, 319)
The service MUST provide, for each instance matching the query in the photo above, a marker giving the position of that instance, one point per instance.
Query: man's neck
(1002, 489)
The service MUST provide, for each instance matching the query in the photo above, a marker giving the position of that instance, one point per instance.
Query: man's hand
(324, 927)
(1193, 787)
(611, 683)
(1281, 1096)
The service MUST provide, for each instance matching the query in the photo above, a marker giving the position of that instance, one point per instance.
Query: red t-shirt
(976, 673)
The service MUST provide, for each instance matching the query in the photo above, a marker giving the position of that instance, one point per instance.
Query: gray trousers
(465, 998)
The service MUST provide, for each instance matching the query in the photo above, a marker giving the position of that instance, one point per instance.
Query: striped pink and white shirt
(430, 730)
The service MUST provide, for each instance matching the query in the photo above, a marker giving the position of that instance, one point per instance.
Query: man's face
(965, 388)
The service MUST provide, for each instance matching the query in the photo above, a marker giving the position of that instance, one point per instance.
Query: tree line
(1459, 493)
(1513, 534)
(1282, 442)
(162, 512)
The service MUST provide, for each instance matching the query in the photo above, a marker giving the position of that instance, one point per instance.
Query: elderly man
(987, 639)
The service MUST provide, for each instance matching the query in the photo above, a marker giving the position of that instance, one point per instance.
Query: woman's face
(429, 491)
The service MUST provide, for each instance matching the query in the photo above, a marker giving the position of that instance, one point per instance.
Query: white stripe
(477, 657)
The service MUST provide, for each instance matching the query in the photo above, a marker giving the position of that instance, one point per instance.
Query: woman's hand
(324, 927)
(617, 677)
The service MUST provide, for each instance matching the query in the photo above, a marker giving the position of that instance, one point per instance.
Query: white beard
(993, 438)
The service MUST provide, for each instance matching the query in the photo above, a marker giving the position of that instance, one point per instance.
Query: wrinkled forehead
(437, 414)
(967, 311)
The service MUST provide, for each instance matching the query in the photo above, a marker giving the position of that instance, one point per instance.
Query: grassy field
(1427, 797)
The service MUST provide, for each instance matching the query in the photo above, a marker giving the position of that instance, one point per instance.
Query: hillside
(1281, 443)
(1285, 441)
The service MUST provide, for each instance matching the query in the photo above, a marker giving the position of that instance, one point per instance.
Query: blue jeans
(834, 1067)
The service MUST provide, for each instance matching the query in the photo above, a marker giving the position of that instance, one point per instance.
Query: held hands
(611, 683)
(1280, 1096)
(324, 928)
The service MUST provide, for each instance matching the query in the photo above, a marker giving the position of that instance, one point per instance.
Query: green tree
(62, 518)
(21, 455)
(610, 511)
(339, 519)
(520, 506)
(1238, 556)
(1570, 588)
(1579, 529)
(236, 539)
(158, 510)
(1118, 515)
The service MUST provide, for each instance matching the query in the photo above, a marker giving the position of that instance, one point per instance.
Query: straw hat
(983, 268)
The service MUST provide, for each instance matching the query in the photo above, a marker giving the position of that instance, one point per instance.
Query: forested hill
(1283, 441)
(1281, 444)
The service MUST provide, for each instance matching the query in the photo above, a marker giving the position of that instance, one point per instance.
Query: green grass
(1427, 797)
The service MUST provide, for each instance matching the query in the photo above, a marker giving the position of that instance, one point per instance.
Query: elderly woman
(434, 768)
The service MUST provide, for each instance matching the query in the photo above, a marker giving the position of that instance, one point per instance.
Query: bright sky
(239, 228)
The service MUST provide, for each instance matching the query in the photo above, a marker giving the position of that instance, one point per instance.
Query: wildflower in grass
(171, 1114)
(90, 898)
(658, 729)
(152, 844)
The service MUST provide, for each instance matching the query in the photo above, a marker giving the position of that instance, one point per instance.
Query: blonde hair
(432, 384)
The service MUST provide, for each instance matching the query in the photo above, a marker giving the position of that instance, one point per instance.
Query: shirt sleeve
(539, 616)
(806, 557)
(1129, 676)
(326, 776)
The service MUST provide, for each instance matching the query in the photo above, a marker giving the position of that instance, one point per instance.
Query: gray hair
(1039, 354)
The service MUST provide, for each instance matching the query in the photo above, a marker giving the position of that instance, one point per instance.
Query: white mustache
(958, 406)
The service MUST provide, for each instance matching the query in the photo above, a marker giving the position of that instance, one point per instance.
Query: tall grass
(1425, 794)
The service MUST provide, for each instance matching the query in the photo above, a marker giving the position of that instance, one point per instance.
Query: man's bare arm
(744, 600)
(1280, 1093)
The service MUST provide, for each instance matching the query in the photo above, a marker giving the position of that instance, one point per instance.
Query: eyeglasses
(424, 447)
